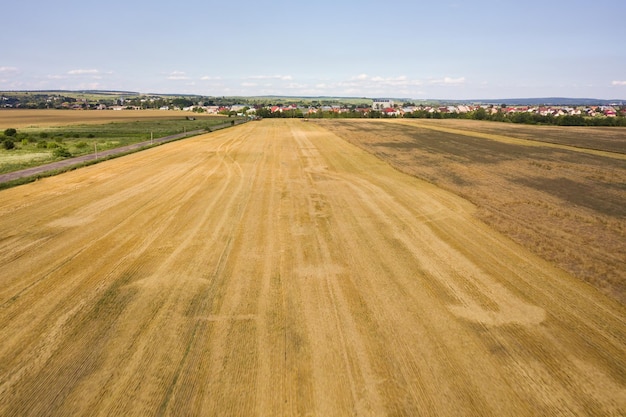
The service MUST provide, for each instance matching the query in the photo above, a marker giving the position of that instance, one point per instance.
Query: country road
(274, 269)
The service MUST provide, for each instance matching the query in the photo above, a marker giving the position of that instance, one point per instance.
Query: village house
(389, 111)
(211, 109)
(382, 103)
(237, 107)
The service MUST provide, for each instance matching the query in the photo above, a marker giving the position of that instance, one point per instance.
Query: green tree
(263, 112)
(61, 152)
(182, 102)
(522, 117)
(498, 116)
(10, 132)
(569, 120)
(480, 114)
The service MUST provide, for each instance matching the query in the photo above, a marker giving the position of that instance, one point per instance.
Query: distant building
(382, 103)
(237, 107)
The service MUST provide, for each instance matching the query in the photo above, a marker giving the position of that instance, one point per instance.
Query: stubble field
(558, 191)
(275, 269)
(51, 118)
(46, 136)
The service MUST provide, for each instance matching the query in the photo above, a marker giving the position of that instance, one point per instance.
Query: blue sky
(412, 49)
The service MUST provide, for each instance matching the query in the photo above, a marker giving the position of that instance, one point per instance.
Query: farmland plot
(35, 119)
(275, 269)
(48, 136)
(558, 191)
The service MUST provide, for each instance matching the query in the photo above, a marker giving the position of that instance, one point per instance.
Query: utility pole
(95, 146)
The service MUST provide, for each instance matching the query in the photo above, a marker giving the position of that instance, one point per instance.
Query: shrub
(42, 144)
(91, 135)
(8, 144)
(61, 152)
(10, 132)
(81, 145)
(43, 135)
(52, 145)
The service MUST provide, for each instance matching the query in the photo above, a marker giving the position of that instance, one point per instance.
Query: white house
(382, 103)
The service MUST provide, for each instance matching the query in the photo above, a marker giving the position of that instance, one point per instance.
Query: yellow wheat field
(273, 269)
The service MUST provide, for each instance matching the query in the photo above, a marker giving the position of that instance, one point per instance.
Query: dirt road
(72, 162)
(274, 269)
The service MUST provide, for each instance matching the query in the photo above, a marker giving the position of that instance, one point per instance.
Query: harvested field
(602, 138)
(47, 136)
(49, 118)
(275, 269)
(565, 203)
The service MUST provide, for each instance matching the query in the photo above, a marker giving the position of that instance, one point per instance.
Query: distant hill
(549, 101)
(355, 100)
(70, 92)
(114, 92)
(532, 101)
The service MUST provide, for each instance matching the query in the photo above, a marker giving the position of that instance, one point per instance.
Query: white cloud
(8, 70)
(449, 81)
(377, 83)
(83, 72)
(177, 75)
(271, 77)
(294, 86)
(359, 84)
(620, 83)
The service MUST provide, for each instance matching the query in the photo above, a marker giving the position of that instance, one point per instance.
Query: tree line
(478, 114)
(524, 117)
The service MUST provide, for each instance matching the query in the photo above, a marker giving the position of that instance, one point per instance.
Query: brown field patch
(566, 204)
(601, 138)
(276, 269)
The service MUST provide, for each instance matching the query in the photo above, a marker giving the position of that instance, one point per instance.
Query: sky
(444, 49)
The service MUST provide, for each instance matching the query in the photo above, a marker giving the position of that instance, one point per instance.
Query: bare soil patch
(566, 205)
